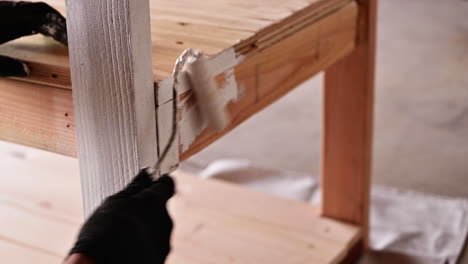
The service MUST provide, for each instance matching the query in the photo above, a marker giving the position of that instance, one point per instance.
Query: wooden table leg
(347, 137)
(110, 53)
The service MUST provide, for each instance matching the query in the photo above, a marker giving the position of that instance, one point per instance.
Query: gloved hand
(18, 19)
(132, 226)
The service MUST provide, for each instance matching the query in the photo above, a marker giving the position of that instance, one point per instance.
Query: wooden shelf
(238, 226)
(244, 226)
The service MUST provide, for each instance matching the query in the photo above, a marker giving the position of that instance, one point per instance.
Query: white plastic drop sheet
(407, 222)
(418, 224)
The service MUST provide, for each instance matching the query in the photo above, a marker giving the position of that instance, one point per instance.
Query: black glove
(132, 226)
(18, 19)
(10, 67)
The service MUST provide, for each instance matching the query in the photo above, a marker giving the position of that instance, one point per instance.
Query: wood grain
(47, 60)
(38, 116)
(347, 132)
(243, 227)
(12, 252)
(249, 227)
(114, 101)
(211, 26)
(268, 75)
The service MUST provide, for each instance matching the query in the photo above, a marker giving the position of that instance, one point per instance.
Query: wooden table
(121, 58)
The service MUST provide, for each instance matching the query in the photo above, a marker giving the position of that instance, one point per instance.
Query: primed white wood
(171, 161)
(110, 56)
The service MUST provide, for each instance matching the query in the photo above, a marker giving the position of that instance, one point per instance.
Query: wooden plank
(37, 221)
(12, 252)
(37, 116)
(211, 26)
(268, 75)
(243, 226)
(47, 60)
(347, 132)
(36, 229)
(24, 169)
(252, 227)
(110, 48)
(354, 254)
(38, 224)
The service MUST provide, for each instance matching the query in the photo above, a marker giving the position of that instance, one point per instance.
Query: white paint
(190, 126)
(165, 112)
(111, 70)
(224, 61)
(191, 123)
(171, 160)
(165, 90)
(230, 89)
(165, 87)
(210, 102)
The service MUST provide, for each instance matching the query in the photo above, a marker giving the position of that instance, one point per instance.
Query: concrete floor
(421, 125)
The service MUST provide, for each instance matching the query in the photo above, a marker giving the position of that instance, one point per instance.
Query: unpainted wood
(211, 26)
(243, 227)
(250, 227)
(47, 60)
(266, 76)
(38, 116)
(14, 253)
(354, 254)
(347, 132)
(114, 102)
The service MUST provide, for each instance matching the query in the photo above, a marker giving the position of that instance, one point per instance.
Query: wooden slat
(37, 116)
(114, 100)
(47, 60)
(211, 26)
(268, 75)
(347, 135)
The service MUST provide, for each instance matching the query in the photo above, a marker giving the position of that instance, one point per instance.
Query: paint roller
(210, 101)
